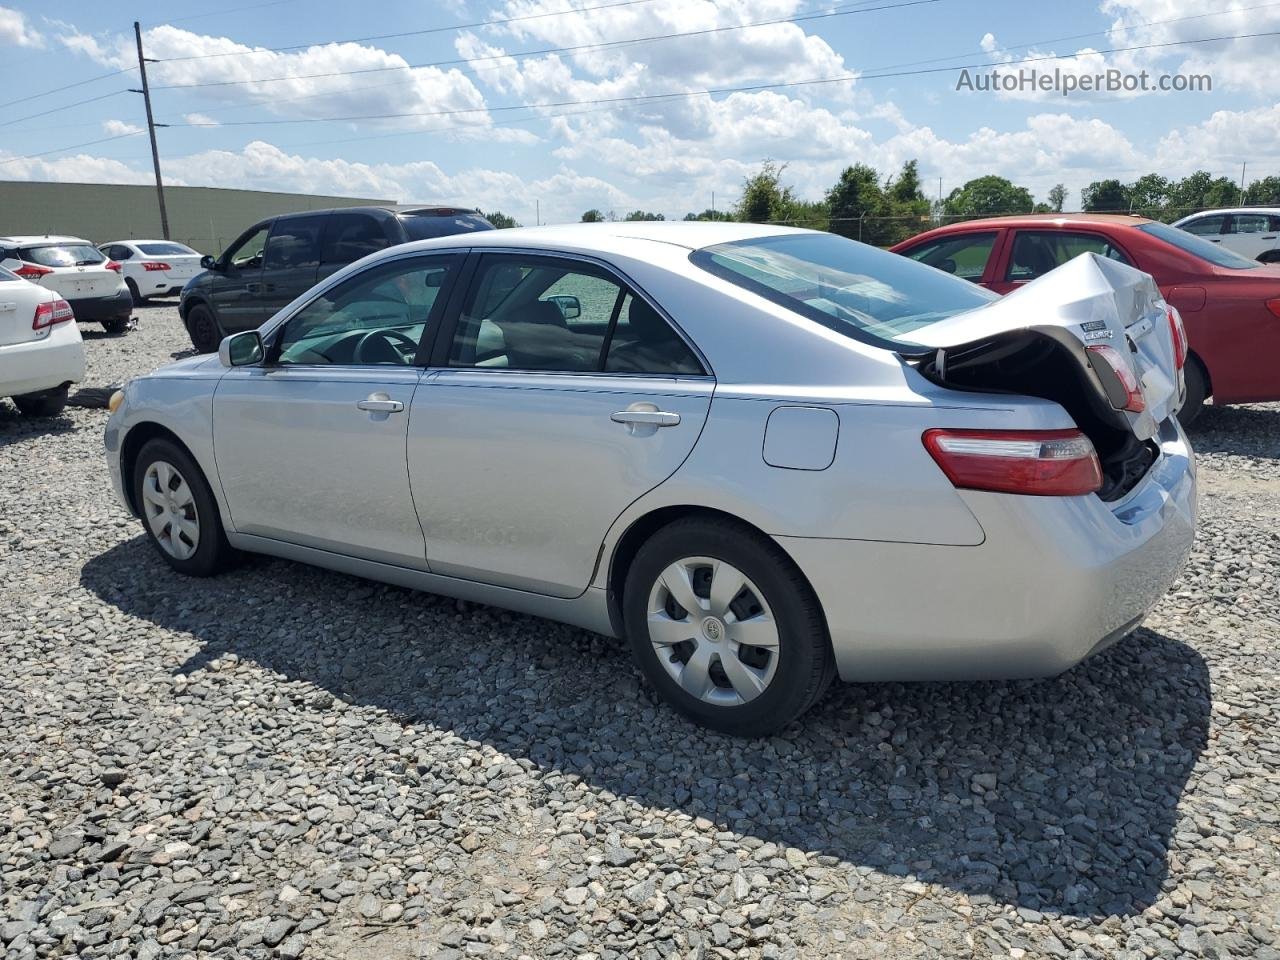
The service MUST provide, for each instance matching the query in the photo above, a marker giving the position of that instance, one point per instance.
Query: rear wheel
(116, 325)
(203, 329)
(178, 510)
(1197, 390)
(47, 404)
(133, 292)
(725, 627)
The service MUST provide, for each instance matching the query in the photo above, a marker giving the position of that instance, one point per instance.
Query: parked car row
(1252, 232)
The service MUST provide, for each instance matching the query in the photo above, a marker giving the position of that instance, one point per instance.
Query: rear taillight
(112, 265)
(1123, 372)
(1274, 306)
(152, 266)
(1041, 463)
(52, 313)
(1179, 338)
(30, 271)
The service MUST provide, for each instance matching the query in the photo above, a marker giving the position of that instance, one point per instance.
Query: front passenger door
(310, 446)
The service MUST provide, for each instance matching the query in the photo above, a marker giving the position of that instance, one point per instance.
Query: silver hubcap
(712, 630)
(171, 510)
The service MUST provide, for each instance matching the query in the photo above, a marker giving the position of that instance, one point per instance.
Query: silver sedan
(766, 457)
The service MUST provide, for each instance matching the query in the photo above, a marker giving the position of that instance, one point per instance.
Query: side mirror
(207, 262)
(570, 306)
(241, 349)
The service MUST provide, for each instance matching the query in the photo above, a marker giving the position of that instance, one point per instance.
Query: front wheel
(178, 510)
(47, 404)
(203, 328)
(725, 627)
(116, 325)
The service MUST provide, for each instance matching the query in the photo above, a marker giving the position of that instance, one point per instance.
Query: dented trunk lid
(1087, 302)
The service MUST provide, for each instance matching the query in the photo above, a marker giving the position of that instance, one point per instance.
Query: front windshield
(854, 289)
(1197, 247)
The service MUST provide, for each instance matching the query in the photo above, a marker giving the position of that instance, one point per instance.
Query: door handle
(379, 403)
(648, 418)
(253, 287)
(1268, 238)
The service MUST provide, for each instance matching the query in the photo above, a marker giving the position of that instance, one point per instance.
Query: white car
(153, 268)
(1252, 232)
(41, 353)
(75, 270)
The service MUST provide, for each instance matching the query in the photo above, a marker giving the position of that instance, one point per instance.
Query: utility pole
(1242, 168)
(537, 216)
(151, 129)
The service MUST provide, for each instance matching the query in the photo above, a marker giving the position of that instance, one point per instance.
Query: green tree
(987, 196)
(593, 216)
(709, 214)
(1149, 195)
(1105, 196)
(764, 197)
(905, 210)
(855, 202)
(1057, 197)
(1264, 192)
(1199, 191)
(500, 220)
(643, 215)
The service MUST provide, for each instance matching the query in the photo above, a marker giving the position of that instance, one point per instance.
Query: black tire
(805, 666)
(47, 404)
(1197, 391)
(212, 551)
(133, 292)
(116, 325)
(202, 327)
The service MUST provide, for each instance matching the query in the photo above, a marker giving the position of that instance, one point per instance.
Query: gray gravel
(284, 762)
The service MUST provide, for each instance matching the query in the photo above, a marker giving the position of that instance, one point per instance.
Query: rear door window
(294, 243)
(964, 256)
(1036, 252)
(350, 236)
(1205, 226)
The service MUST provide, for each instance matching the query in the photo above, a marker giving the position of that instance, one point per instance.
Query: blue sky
(458, 141)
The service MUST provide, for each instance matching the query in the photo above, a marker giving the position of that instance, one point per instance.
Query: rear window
(854, 289)
(62, 255)
(165, 249)
(1217, 255)
(424, 226)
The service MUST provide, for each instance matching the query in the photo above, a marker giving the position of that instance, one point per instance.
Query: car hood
(205, 364)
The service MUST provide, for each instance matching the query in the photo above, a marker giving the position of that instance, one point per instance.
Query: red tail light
(1180, 337)
(151, 266)
(52, 313)
(29, 271)
(1041, 463)
(112, 265)
(1274, 306)
(1134, 402)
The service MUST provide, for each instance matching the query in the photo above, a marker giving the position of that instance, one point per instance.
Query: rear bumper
(111, 307)
(42, 364)
(1055, 580)
(159, 285)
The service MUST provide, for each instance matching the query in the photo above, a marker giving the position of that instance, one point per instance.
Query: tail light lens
(1134, 402)
(1179, 337)
(52, 313)
(1274, 306)
(30, 271)
(1040, 463)
(112, 265)
(152, 266)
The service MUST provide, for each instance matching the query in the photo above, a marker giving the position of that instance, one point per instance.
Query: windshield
(165, 249)
(62, 255)
(1190, 243)
(852, 288)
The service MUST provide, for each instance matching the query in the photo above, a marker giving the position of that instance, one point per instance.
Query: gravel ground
(288, 762)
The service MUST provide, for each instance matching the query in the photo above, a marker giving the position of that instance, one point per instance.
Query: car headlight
(114, 401)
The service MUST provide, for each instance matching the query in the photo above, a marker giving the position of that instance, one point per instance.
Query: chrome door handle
(379, 403)
(651, 418)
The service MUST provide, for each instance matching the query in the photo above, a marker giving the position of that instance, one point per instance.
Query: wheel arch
(137, 438)
(1193, 357)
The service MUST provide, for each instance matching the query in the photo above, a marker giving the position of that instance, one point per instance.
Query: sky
(545, 108)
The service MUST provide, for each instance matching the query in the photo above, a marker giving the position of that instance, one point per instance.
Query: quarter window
(377, 317)
(1036, 252)
(294, 244)
(965, 257)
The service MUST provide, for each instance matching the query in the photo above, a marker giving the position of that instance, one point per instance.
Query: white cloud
(15, 31)
(119, 128)
(200, 119)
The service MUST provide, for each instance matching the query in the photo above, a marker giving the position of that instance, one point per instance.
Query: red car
(1230, 305)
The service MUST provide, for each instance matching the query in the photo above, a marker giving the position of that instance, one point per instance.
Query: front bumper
(1055, 580)
(111, 307)
(44, 364)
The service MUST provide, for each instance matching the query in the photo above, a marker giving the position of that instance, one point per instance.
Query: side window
(118, 252)
(294, 243)
(350, 236)
(1248, 223)
(643, 342)
(376, 317)
(1036, 252)
(1205, 226)
(247, 253)
(965, 257)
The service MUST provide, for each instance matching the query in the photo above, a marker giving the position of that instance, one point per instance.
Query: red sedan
(1230, 305)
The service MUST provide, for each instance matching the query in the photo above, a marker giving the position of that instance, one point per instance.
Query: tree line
(885, 209)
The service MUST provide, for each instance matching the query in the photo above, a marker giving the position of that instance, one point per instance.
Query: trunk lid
(1088, 302)
(77, 283)
(181, 266)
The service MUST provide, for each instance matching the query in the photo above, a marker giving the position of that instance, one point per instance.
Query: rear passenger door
(557, 396)
(291, 260)
(966, 255)
(1033, 253)
(1249, 234)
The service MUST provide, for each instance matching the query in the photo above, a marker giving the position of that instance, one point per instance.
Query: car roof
(391, 209)
(1270, 211)
(1041, 219)
(48, 238)
(111, 243)
(617, 237)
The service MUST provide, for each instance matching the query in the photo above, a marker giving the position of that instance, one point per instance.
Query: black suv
(280, 258)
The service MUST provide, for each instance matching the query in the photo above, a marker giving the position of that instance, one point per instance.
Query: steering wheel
(386, 342)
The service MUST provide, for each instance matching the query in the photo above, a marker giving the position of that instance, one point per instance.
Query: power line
(74, 146)
(78, 103)
(659, 97)
(605, 44)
